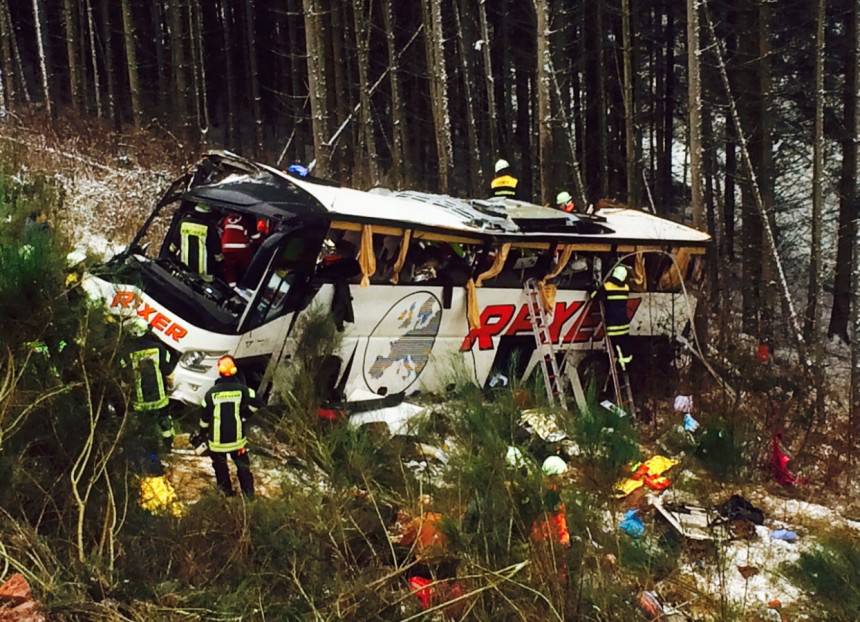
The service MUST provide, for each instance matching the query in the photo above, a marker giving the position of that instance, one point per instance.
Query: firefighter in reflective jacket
(151, 362)
(615, 293)
(236, 243)
(504, 184)
(199, 243)
(227, 407)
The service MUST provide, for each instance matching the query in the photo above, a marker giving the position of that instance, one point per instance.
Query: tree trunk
(42, 47)
(110, 70)
(254, 77)
(8, 62)
(360, 9)
(399, 132)
(317, 86)
(179, 66)
(465, 36)
(226, 17)
(97, 88)
(198, 65)
(156, 14)
(544, 105)
(595, 101)
(629, 110)
(782, 282)
(694, 85)
(848, 206)
(668, 122)
(492, 116)
(435, 52)
(72, 47)
(299, 96)
(813, 294)
(131, 62)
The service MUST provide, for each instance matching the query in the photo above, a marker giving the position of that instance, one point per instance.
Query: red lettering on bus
(493, 321)
(124, 299)
(145, 311)
(159, 322)
(175, 331)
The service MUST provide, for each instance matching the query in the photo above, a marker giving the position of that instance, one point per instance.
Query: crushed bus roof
(266, 190)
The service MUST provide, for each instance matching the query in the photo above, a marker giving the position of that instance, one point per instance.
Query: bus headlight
(200, 360)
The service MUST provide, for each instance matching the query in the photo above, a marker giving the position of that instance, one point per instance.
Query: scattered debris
(737, 507)
(690, 424)
(17, 603)
(632, 524)
(498, 380)
(748, 571)
(422, 532)
(779, 463)
(613, 408)
(785, 535)
(432, 593)
(648, 473)
(158, 496)
(542, 424)
(683, 404)
(400, 419)
(650, 605)
(690, 521)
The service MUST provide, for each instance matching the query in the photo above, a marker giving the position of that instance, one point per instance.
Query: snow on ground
(766, 555)
(105, 197)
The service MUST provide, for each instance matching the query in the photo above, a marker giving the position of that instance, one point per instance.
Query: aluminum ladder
(540, 322)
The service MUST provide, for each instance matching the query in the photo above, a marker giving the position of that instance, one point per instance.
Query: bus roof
(262, 189)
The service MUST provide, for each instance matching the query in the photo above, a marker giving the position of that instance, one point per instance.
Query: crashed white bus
(426, 280)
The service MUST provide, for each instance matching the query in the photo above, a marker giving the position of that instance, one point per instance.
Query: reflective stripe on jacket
(227, 406)
(616, 295)
(504, 186)
(149, 392)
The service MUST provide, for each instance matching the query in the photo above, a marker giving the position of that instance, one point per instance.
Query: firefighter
(615, 292)
(151, 362)
(236, 245)
(227, 407)
(504, 184)
(564, 202)
(199, 243)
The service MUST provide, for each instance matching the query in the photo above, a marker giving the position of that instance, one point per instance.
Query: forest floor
(111, 181)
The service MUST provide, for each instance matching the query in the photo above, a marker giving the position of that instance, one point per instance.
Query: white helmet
(563, 197)
(554, 465)
(502, 164)
(619, 272)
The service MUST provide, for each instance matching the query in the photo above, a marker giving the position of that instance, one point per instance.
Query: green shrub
(830, 572)
(608, 440)
(723, 449)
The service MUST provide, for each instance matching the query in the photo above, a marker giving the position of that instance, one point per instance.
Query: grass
(830, 573)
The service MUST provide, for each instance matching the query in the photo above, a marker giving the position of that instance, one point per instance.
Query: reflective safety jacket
(199, 242)
(236, 235)
(151, 361)
(615, 294)
(226, 408)
(504, 186)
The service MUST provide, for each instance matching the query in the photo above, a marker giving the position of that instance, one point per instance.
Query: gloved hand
(197, 439)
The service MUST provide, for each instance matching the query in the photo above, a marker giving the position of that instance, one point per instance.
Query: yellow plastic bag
(158, 496)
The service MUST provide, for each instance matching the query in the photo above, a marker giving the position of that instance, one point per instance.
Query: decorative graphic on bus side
(414, 322)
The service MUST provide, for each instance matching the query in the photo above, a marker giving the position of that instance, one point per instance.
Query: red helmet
(227, 366)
